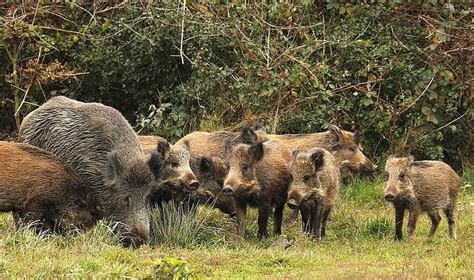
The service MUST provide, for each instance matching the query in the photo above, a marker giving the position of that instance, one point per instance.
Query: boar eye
(174, 163)
(401, 177)
(245, 168)
(306, 178)
(386, 175)
(127, 201)
(353, 149)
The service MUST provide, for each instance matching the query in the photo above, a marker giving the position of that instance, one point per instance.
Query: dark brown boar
(259, 177)
(177, 180)
(212, 144)
(421, 186)
(211, 173)
(344, 145)
(102, 148)
(314, 188)
(38, 187)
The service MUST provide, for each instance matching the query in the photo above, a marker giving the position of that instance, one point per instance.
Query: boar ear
(295, 153)
(206, 165)
(155, 163)
(410, 159)
(357, 137)
(259, 127)
(317, 158)
(186, 144)
(248, 136)
(163, 147)
(256, 150)
(114, 166)
(336, 133)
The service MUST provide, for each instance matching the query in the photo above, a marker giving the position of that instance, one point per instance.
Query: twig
(419, 96)
(438, 129)
(182, 33)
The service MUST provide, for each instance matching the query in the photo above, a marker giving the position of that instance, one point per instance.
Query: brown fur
(38, 186)
(211, 144)
(344, 145)
(421, 186)
(258, 176)
(314, 188)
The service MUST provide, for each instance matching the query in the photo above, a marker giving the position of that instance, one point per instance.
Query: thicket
(401, 73)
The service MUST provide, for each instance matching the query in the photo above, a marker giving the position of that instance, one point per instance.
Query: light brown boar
(344, 145)
(421, 186)
(314, 188)
(212, 144)
(38, 187)
(259, 177)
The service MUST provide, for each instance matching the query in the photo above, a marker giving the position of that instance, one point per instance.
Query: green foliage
(171, 269)
(397, 71)
(380, 228)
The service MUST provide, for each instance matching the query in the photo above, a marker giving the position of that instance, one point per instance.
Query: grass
(359, 245)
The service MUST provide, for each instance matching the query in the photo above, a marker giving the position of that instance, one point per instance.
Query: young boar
(421, 186)
(102, 148)
(258, 176)
(38, 187)
(314, 188)
(212, 144)
(177, 180)
(211, 173)
(344, 145)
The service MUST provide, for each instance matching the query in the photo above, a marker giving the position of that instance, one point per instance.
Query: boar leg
(324, 222)
(435, 218)
(451, 224)
(317, 213)
(399, 213)
(278, 218)
(241, 209)
(412, 219)
(263, 213)
(306, 221)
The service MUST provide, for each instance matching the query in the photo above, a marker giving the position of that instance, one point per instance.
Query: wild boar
(38, 187)
(258, 176)
(421, 186)
(211, 173)
(344, 145)
(177, 180)
(212, 144)
(102, 148)
(314, 188)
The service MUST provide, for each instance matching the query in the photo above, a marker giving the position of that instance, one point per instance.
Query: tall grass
(172, 225)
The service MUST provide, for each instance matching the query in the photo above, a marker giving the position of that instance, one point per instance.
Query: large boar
(39, 187)
(314, 188)
(177, 179)
(344, 145)
(212, 144)
(258, 176)
(102, 148)
(421, 186)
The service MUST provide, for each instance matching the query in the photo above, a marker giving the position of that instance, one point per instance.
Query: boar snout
(227, 190)
(193, 185)
(138, 236)
(389, 197)
(367, 169)
(292, 204)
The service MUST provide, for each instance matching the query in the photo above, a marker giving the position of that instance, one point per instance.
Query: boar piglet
(421, 186)
(314, 188)
(211, 173)
(177, 180)
(258, 176)
(38, 187)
